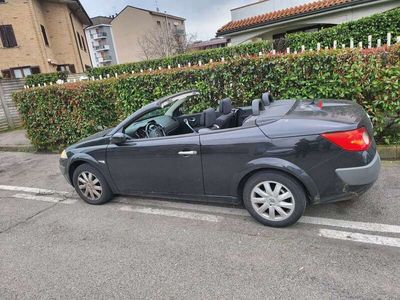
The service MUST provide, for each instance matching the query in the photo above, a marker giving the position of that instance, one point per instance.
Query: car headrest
(209, 117)
(257, 106)
(225, 106)
(267, 98)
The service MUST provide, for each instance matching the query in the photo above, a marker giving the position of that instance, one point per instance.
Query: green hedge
(184, 59)
(37, 79)
(60, 115)
(377, 25)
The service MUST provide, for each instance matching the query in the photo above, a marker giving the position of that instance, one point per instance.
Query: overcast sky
(203, 17)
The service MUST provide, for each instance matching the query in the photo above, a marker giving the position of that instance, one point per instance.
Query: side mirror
(118, 138)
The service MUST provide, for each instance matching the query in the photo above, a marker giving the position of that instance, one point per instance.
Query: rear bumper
(364, 175)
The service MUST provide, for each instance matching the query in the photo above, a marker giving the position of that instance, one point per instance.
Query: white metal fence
(9, 116)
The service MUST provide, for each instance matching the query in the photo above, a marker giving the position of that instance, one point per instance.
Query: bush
(377, 25)
(37, 79)
(60, 115)
(184, 59)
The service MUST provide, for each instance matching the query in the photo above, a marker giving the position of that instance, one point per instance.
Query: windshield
(155, 113)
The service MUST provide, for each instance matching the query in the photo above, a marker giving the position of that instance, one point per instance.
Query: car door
(166, 165)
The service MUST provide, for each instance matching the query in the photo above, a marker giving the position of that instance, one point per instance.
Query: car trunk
(309, 117)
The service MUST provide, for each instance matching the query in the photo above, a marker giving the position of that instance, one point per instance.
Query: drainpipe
(76, 40)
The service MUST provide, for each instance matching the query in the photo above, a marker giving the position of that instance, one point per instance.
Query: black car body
(187, 157)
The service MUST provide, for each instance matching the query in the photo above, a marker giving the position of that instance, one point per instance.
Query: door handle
(192, 119)
(187, 153)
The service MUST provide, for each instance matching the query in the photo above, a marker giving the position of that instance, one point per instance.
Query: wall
(26, 18)
(9, 116)
(263, 7)
(30, 52)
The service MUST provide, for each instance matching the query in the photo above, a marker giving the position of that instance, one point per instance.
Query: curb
(389, 152)
(10, 148)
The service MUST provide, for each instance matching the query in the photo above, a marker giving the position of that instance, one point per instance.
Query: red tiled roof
(279, 14)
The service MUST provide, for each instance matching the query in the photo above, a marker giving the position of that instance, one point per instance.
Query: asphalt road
(52, 245)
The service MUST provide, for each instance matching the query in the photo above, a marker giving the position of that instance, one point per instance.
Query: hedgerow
(36, 79)
(377, 25)
(57, 116)
(184, 59)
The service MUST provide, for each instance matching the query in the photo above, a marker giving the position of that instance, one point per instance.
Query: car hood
(94, 139)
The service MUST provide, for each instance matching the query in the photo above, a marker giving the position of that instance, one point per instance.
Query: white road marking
(31, 190)
(361, 238)
(351, 224)
(44, 199)
(172, 213)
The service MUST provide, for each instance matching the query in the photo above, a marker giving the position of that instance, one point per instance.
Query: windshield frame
(160, 103)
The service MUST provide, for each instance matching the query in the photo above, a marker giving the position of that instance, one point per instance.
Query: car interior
(172, 121)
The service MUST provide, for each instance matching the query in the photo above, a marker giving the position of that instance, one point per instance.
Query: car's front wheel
(91, 185)
(274, 199)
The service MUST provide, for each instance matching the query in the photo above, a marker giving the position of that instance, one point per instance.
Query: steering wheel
(154, 130)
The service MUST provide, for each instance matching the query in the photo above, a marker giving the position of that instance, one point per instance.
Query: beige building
(137, 31)
(42, 36)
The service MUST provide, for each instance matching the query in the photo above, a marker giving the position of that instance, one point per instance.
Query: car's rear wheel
(274, 199)
(91, 186)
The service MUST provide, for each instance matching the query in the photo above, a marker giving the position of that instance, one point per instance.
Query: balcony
(102, 48)
(105, 59)
(100, 35)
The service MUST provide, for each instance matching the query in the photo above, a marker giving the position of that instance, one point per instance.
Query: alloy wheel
(90, 185)
(272, 201)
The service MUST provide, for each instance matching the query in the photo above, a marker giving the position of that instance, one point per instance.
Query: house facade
(133, 25)
(101, 42)
(272, 19)
(42, 36)
(210, 44)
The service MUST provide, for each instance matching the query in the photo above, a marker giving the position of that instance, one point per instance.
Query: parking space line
(351, 224)
(44, 199)
(30, 190)
(172, 213)
(359, 237)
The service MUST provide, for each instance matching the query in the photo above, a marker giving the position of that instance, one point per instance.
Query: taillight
(354, 140)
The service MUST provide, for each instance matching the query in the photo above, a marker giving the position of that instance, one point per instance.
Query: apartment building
(42, 36)
(101, 42)
(133, 24)
(272, 19)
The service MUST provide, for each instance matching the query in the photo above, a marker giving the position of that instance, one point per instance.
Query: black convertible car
(274, 157)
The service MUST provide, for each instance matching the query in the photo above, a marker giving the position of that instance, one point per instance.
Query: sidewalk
(15, 140)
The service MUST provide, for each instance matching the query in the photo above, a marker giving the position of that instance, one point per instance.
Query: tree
(164, 42)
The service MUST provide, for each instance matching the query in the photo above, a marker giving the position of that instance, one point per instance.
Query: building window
(7, 36)
(46, 40)
(78, 36)
(83, 43)
(20, 72)
(159, 23)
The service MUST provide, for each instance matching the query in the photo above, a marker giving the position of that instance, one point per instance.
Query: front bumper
(364, 175)
(63, 169)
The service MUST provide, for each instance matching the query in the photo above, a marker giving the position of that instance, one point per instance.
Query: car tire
(91, 185)
(274, 198)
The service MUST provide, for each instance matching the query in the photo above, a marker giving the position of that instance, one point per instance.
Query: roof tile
(279, 14)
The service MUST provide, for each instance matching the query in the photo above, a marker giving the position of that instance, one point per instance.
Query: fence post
(360, 45)
(318, 46)
(334, 44)
(389, 39)
(370, 41)
(303, 48)
(379, 43)
(398, 39)
(351, 43)
(288, 50)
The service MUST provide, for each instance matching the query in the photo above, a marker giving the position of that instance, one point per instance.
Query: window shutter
(3, 36)
(7, 36)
